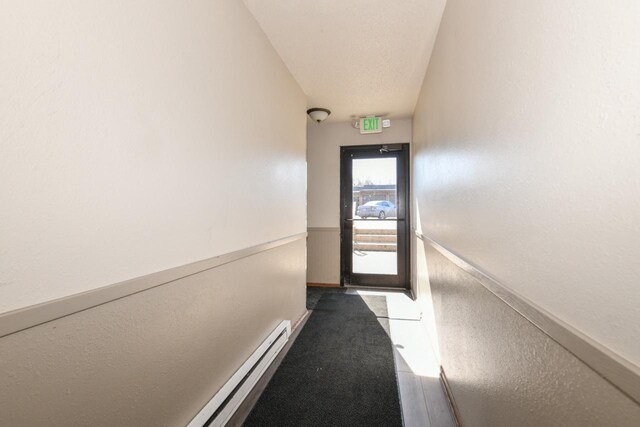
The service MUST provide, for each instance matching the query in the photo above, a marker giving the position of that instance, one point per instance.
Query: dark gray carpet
(339, 371)
(314, 293)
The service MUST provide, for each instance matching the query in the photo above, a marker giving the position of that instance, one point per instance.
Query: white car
(379, 209)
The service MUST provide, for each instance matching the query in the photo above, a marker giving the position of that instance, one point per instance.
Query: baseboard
(225, 402)
(252, 398)
(450, 399)
(323, 285)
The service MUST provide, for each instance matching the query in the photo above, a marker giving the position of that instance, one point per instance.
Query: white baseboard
(245, 378)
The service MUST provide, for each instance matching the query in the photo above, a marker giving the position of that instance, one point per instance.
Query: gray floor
(422, 397)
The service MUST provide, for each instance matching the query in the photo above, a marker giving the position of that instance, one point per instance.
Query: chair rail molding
(27, 317)
(620, 372)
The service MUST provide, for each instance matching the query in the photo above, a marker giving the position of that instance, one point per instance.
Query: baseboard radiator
(224, 404)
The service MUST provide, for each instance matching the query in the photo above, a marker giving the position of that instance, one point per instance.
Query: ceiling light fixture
(318, 114)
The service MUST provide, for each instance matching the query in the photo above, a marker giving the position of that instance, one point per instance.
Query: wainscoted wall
(525, 164)
(153, 358)
(137, 141)
(323, 255)
(501, 368)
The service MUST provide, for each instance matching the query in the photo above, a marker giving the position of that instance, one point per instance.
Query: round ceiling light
(318, 114)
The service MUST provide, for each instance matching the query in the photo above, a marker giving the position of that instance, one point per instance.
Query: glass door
(374, 220)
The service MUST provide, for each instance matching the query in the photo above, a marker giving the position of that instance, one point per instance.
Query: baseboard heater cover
(224, 404)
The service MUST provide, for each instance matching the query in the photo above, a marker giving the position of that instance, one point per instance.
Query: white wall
(323, 156)
(139, 136)
(527, 154)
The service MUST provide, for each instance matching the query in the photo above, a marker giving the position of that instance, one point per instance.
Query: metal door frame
(347, 153)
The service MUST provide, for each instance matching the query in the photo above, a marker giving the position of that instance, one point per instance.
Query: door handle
(374, 220)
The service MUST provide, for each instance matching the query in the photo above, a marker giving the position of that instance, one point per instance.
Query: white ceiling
(355, 57)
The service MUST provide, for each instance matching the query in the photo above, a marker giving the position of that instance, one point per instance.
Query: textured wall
(503, 371)
(526, 144)
(154, 358)
(323, 255)
(139, 136)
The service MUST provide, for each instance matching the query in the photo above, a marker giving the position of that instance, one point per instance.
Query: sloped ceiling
(355, 57)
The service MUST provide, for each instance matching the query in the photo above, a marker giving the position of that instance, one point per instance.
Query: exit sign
(370, 125)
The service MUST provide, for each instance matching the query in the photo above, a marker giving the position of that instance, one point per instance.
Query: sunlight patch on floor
(408, 334)
(423, 401)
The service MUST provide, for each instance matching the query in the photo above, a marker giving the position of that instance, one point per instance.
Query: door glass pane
(375, 229)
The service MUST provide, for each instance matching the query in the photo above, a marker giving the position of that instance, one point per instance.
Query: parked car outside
(376, 209)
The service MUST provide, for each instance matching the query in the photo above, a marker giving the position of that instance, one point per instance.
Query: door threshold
(376, 288)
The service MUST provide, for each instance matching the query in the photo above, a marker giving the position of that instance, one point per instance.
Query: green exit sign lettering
(370, 125)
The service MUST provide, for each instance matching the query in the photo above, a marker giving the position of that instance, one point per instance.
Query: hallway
(342, 353)
(415, 213)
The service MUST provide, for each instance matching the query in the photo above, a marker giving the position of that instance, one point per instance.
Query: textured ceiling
(355, 57)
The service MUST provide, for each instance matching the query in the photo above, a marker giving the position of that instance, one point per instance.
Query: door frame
(347, 278)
